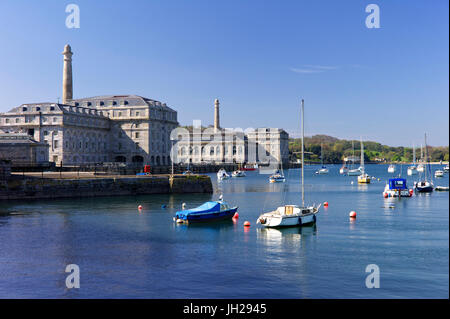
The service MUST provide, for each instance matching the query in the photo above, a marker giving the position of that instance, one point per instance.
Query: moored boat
(446, 168)
(323, 170)
(364, 178)
(291, 215)
(238, 173)
(425, 185)
(396, 187)
(412, 170)
(277, 178)
(207, 212)
(391, 168)
(439, 173)
(343, 170)
(222, 174)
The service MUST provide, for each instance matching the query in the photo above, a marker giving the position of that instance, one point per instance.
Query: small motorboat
(424, 187)
(442, 188)
(343, 170)
(222, 174)
(322, 171)
(446, 168)
(364, 179)
(412, 170)
(439, 173)
(277, 178)
(391, 168)
(420, 168)
(209, 211)
(396, 187)
(238, 173)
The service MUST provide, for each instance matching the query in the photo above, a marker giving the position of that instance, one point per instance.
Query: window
(119, 114)
(137, 113)
(137, 146)
(45, 133)
(52, 108)
(55, 119)
(24, 109)
(55, 144)
(38, 108)
(136, 135)
(17, 120)
(6, 120)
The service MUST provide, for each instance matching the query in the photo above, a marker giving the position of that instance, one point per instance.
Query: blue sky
(258, 57)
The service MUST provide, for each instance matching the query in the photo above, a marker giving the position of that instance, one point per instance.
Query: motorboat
(222, 174)
(207, 212)
(364, 178)
(292, 215)
(343, 170)
(396, 187)
(238, 173)
(250, 167)
(442, 188)
(439, 173)
(446, 168)
(420, 168)
(277, 178)
(391, 168)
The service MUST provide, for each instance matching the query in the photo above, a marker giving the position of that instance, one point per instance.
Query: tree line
(335, 150)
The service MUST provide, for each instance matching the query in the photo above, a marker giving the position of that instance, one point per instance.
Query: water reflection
(294, 236)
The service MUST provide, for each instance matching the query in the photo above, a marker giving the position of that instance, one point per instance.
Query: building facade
(21, 149)
(113, 128)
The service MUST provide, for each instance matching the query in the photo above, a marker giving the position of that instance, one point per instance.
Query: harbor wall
(29, 188)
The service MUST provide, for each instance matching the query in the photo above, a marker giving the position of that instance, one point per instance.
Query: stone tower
(216, 115)
(67, 75)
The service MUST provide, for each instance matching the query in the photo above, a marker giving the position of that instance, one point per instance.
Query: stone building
(22, 149)
(112, 128)
(217, 145)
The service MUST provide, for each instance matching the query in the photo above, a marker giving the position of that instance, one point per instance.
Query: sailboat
(323, 170)
(425, 186)
(277, 177)
(412, 170)
(353, 171)
(363, 178)
(421, 166)
(391, 168)
(344, 169)
(238, 172)
(292, 215)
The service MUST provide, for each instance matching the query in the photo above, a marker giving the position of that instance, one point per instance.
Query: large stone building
(23, 150)
(113, 128)
(218, 145)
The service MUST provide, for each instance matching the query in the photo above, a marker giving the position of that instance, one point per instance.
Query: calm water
(126, 254)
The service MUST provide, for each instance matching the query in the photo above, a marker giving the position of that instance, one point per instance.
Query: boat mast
(414, 154)
(362, 156)
(303, 155)
(427, 166)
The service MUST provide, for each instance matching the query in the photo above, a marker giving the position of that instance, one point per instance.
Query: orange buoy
(325, 204)
(385, 195)
(140, 207)
(247, 224)
(352, 214)
(236, 215)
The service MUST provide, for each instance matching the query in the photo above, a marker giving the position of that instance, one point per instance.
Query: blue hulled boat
(209, 211)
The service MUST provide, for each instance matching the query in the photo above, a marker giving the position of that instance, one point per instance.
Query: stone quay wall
(29, 188)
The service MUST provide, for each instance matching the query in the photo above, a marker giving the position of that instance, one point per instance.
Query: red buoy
(236, 215)
(325, 204)
(247, 224)
(385, 195)
(352, 214)
(140, 207)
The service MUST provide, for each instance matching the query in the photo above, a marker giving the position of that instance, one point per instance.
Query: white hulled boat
(291, 215)
(364, 178)
(238, 173)
(353, 171)
(439, 173)
(323, 169)
(412, 170)
(391, 168)
(425, 185)
(222, 174)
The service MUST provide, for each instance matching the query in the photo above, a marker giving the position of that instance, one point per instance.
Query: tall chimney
(216, 115)
(67, 75)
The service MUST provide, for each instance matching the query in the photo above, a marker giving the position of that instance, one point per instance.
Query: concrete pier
(35, 187)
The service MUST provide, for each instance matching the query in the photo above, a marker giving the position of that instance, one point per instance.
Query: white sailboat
(222, 174)
(425, 185)
(391, 168)
(291, 215)
(421, 166)
(353, 171)
(323, 169)
(412, 170)
(364, 178)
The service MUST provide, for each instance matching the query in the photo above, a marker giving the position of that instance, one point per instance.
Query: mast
(353, 153)
(321, 153)
(362, 156)
(303, 155)
(414, 154)
(427, 166)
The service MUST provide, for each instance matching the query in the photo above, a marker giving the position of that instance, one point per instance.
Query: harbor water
(123, 252)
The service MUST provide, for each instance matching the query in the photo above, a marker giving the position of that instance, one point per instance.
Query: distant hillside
(334, 150)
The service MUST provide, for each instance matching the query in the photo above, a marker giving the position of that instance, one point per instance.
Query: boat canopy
(204, 208)
(397, 183)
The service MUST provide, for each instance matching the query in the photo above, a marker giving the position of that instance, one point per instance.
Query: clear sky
(258, 57)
